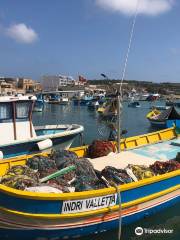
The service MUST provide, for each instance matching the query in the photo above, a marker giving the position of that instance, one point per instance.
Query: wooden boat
(27, 215)
(19, 136)
(164, 119)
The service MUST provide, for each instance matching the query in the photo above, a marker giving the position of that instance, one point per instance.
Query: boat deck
(145, 155)
(160, 151)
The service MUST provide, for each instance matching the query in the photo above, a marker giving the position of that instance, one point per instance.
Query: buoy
(42, 145)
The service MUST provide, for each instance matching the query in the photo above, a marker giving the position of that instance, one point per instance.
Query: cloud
(128, 7)
(21, 33)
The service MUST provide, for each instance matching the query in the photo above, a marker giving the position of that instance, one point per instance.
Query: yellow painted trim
(85, 194)
(94, 212)
(136, 141)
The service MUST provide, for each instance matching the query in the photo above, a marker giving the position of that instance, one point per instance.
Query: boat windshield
(5, 111)
(22, 109)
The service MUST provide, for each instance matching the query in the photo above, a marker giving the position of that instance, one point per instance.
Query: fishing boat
(165, 118)
(64, 101)
(108, 112)
(159, 107)
(172, 103)
(19, 136)
(93, 105)
(39, 103)
(54, 99)
(134, 104)
(85, 100)
(153, 97)
(76, 214)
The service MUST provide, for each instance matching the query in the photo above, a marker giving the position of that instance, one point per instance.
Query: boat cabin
(16, 118)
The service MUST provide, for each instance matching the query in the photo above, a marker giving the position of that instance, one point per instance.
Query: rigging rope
(120, 208)
(120, 94)
(129, 47)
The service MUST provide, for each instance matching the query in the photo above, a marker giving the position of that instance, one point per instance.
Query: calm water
(135, 122)
(133, 119)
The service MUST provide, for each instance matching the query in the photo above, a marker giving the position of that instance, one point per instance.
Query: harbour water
(135, 122)
(133, 119)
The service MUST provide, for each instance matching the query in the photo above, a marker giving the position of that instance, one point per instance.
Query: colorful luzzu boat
(19, 136)
(164, 119)
(27, 215)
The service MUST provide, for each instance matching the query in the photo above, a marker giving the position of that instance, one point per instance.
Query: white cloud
(128, 7)
(21, 33)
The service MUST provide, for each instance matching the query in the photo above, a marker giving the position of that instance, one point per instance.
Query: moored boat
(54, 99)
(159, 107)
(20, 137)
(39, 103)
(164, 119)
(67, 215)
(172, 103)
(64, 101)
(93, 105)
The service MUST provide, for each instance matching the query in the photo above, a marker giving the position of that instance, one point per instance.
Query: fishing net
(83, 177)
(141, 172)
(62, 157)
(100, 148)
(85, 183)
(44, 165)
(164, 167)
(20, 177)
(118, 176)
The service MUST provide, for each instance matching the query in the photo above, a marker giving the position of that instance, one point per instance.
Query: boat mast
(120, 93)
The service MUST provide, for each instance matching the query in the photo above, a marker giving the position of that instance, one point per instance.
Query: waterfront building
(10, 86)
(55, 82)
(28, 85)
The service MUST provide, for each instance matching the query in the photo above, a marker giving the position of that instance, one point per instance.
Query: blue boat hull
(83, 231)
(22, 221)
(164, 124)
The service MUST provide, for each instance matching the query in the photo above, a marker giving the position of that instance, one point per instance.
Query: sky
(90, 37)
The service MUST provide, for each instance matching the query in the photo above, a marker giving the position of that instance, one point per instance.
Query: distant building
(53, 83)
(29, 85)
(82, 81)
(10, 86)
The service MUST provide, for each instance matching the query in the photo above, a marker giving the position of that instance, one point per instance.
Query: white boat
(64, 101)
(19, 136)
